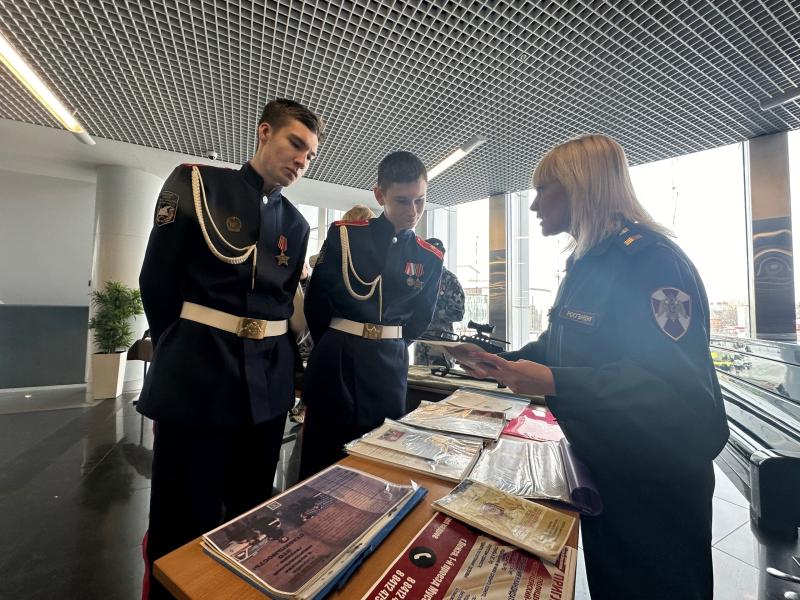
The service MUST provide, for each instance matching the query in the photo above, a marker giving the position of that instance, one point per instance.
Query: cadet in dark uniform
(373, 290)
(449, 309)
(625, 367)
(218, 279)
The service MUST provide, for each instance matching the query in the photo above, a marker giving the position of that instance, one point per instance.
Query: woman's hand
(521, 377)
(472, 359)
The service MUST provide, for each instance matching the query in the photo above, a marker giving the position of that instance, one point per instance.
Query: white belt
(367, 330)
(253, 329)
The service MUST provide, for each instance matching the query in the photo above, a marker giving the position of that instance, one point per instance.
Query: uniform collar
(385, 227)
(603, 246)
(255, 180)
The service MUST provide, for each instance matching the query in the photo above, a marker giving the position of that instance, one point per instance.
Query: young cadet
(373, 290)
(218, 279)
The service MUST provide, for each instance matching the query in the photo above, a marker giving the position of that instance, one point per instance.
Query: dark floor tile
(44, 399)
(20, 433)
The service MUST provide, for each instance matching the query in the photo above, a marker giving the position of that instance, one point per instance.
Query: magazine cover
(535, 423)
(510, 405)
(453, 419)
(419, 442)
(450, 561)
(291, 540)
(528, 525)
(451, 466)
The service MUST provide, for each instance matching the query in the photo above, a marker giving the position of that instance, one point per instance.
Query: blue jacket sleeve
(658, 408)
(532, 351)
(165, 258)
(317, 306)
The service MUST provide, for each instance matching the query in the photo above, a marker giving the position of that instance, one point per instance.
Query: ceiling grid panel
(665, 77)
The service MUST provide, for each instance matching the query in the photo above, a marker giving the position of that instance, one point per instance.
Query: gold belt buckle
(252, 329)
(372, 331)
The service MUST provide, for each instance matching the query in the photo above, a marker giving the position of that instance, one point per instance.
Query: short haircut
(279, 112)
(400, 167)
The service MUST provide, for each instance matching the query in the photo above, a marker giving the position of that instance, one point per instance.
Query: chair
(142, 349)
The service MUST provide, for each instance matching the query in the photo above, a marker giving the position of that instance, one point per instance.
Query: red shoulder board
(191, 165)
(430, 248)
(354, 223)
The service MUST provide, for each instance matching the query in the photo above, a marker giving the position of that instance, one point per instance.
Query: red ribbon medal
(283, 260)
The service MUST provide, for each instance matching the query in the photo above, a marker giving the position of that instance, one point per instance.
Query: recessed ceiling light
(456, 156)
(39, 90)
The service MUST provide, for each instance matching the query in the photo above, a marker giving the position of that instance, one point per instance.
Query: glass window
(442, 225)
(311, 214)
(472, 267)
(701, 197)
(536, 269)
(793, 138)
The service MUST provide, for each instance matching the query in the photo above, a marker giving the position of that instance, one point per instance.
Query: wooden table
(189, 573)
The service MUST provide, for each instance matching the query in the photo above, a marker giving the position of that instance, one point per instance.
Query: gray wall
(46, 239)
(42, 345)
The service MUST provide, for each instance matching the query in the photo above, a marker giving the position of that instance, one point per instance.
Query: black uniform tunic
(219, 400)
(352, 384)
(204, 376)
(638, 398)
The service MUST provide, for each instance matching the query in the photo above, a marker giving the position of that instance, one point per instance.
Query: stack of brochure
(539, 470)
(447, 418)
(448, 559)
(443, 456)
(511, 406)
(304, 542)
(528, 525)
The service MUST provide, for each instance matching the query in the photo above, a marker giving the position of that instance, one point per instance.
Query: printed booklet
(303, 542)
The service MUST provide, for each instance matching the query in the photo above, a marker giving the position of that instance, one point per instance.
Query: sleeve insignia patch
(167, 208)
(672, 309)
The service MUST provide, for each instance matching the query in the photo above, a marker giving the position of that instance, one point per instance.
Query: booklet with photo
(402, 438)
(448, 560)
(508, 404)
(301, 543)
(528, 525)
(442, 456)
(454, 419)
(538, 470)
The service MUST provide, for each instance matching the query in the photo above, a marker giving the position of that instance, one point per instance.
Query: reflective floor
(74, 493)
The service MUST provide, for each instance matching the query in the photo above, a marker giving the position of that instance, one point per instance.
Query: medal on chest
(414, 272)
(283, 260)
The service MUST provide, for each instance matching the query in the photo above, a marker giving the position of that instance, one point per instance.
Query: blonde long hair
(358, 213)
(594, 171)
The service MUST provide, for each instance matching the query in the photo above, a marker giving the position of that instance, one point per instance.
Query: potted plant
(114, 306)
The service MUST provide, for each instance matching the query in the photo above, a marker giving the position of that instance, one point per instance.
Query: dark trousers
(322, 441)
(652, 540)
(203, 477)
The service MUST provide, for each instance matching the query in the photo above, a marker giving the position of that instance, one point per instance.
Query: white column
(124, 205)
